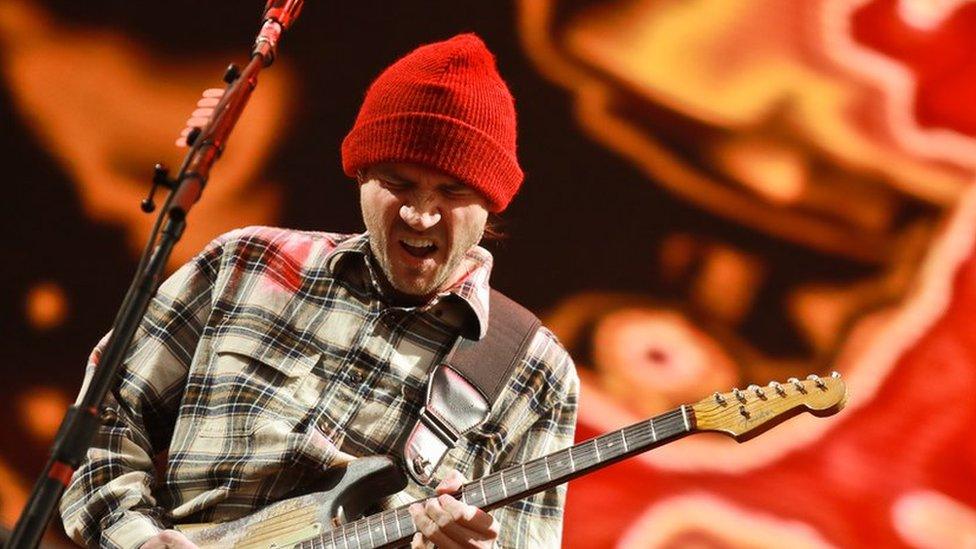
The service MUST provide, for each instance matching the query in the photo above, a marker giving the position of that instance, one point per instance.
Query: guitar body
(344, 495)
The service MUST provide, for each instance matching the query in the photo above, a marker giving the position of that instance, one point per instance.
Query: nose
(421, 212)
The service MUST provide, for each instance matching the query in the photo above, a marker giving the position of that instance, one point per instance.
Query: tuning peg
(796, 383)
(719, 399)
(778, 388)
(758, 390)
(817, 381)
(835, 375)
(738, 395)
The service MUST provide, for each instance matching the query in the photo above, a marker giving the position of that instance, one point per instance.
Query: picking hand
(168, 539)
(448, 523)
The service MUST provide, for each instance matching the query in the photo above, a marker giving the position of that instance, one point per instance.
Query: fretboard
(395, 526)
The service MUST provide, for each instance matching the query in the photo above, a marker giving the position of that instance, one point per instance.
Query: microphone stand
(82, 419)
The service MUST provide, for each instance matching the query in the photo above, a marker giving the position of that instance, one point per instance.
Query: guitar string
(671, 423)
(636, 436)
(276, 528)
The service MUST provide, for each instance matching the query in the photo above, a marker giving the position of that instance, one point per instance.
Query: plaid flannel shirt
(272, 351)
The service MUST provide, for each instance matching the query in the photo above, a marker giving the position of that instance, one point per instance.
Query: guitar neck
(395, 527)
(520, 481)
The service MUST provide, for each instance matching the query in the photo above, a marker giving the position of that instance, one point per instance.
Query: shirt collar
(471, 291)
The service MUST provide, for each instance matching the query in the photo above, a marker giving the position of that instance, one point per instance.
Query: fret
(548, 472)
(613, 445)
(623, 438)
(684, 416)
(356, 535)
(501, 476)
(525, 478)
(493, 493)
(480, 485)
(560, 466)
(369, 529)
(597, 448)
(536, 472)
(513, 484)
(653, 432)
(572, 462)
(382, 527)
(583, 456)
(345, 541)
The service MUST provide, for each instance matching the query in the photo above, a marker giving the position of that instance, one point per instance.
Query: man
(275, 354)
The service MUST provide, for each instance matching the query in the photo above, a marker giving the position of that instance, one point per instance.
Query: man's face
(421, 223)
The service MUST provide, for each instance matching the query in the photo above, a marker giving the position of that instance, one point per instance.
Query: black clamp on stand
(82, 419)
(161, 178)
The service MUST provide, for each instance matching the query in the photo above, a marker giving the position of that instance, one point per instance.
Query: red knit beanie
(444, 106)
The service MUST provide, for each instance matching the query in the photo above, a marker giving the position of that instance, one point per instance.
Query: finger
(202, 112)
(176, 540)
(213, 92)
(208, 102)
(417, 542)
(429, 529)
(469, 516)
(168, 539)
(450, 523)
(197, 121)
(450, 483)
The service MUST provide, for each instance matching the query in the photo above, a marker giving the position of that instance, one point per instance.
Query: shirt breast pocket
(252, 380)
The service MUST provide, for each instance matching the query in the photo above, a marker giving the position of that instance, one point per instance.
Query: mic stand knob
(160, 179)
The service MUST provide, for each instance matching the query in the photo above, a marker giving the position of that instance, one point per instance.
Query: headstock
(748, 412)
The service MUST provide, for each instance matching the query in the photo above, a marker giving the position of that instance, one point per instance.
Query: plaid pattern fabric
(271, 352)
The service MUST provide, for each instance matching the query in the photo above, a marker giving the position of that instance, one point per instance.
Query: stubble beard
(418, 285)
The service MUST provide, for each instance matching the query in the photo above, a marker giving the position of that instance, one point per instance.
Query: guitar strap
(462, 389)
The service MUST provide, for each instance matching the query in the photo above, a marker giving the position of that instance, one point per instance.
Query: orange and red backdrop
(718, 193)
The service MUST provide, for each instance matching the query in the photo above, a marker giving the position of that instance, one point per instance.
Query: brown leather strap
(488, 363)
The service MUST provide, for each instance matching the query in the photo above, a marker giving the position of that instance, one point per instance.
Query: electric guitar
(331, 518)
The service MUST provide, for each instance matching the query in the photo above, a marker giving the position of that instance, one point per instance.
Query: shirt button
(356, 377)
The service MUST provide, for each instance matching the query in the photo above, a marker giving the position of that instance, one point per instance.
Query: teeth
(418, 242)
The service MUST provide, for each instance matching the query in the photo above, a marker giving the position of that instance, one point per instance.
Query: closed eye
(456, 190)
(394, 185)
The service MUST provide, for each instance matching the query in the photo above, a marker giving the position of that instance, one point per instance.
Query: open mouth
(419, 247)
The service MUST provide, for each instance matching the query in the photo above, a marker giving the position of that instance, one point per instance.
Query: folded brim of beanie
(440, 142)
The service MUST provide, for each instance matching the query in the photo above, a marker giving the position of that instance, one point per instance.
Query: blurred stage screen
(718, 193)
